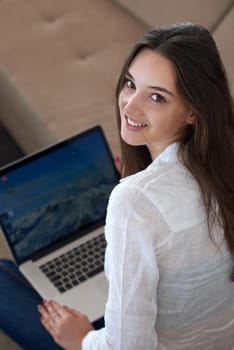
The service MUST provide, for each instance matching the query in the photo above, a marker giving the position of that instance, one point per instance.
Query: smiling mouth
(134, 123)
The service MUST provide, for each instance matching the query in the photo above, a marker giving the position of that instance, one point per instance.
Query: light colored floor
(6, 343)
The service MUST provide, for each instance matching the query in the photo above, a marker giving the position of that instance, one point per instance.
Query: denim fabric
(19, 317)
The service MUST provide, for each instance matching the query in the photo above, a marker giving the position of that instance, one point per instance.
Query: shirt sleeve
(132, 271)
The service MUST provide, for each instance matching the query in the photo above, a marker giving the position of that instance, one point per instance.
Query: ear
(191, 118)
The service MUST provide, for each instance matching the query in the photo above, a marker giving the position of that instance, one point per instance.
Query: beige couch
(59, 60)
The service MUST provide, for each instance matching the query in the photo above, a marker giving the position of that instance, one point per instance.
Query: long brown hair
(207, 147)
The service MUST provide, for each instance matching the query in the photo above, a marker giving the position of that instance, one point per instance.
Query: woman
(170, 222)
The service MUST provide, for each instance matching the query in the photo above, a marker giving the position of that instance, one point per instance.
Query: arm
(132, 271)
(131, 267)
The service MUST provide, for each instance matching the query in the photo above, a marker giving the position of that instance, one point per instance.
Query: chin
(131, 141)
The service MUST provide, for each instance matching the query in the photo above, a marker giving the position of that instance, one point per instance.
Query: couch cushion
(162, 12)
(65, 56)
(224, 39)
(216, 15)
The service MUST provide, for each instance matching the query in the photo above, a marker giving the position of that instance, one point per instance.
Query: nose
(133, 105)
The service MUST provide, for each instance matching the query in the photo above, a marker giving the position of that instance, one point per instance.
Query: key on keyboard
(76, 265)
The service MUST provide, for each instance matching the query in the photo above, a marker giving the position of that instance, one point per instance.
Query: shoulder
(135, 194)
(157, 179)
(143, 189)
(132, 216)
(164, 187)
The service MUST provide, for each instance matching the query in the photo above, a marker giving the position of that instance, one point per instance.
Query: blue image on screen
(56, 194)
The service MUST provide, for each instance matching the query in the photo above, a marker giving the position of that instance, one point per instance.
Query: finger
(45, 316)
(51, 306)
(42, 310)
(61, 310)
(48, 326)
(48, 312)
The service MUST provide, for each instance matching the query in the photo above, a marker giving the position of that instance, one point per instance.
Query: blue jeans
(19, 317)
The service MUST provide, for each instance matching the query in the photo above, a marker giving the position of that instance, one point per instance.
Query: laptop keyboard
(76, 265)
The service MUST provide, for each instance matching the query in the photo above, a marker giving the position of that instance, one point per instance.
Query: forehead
(150, 68)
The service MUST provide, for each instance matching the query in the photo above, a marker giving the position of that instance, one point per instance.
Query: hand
(67, 326)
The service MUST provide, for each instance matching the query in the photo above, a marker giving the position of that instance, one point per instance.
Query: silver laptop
(52, 211)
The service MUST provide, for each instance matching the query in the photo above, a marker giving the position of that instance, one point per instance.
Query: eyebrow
(157, 88)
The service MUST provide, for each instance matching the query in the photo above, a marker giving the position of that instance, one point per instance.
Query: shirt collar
(168, 155)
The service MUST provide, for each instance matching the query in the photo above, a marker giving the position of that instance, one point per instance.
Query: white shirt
(169, 286)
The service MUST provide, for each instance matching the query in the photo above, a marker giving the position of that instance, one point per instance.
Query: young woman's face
(151, 109)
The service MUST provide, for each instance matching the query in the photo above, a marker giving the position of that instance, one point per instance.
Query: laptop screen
(58, 193)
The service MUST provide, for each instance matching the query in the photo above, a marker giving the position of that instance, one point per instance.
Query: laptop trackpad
(102, 284)
(89, 298)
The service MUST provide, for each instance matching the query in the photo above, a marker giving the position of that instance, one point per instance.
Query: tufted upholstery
(63, 56)
(216, 15)
(59, 60)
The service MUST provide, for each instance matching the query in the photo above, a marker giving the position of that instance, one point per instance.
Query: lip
(131, 125)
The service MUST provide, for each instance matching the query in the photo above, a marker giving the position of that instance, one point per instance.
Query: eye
(129, 83)
(158, 98)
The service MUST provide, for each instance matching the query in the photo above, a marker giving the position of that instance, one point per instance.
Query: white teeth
(133, 123)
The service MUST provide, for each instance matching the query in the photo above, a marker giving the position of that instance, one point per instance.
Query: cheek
(121, 101)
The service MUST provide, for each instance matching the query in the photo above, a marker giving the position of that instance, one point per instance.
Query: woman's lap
(19, 317)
